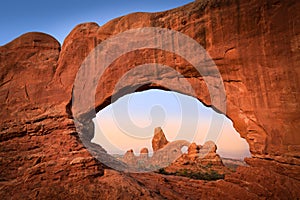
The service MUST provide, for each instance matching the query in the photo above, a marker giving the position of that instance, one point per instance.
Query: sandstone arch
(255, 46)
(239, 77)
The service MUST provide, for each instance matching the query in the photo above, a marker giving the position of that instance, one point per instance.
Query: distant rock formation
(199, 159)
(130, 158)
(164, 153)
(170, 156)
(208, 155)
(144, 153)
(159, 140)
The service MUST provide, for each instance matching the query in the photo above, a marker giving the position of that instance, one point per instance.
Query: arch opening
(129, 123)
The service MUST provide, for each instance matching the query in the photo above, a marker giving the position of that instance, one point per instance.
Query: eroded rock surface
(255, 45)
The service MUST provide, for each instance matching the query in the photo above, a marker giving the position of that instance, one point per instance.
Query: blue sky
(58, 18)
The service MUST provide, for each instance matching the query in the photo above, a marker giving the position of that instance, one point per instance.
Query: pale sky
(129, 123)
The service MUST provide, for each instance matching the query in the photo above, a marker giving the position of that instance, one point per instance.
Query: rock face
(255, 45)
(159, 140)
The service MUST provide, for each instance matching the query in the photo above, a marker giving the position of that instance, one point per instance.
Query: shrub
(209, 165)
(209, 176)
(163, 171)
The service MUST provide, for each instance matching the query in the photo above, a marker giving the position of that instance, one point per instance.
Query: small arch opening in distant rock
(129, 123)
(184, 149)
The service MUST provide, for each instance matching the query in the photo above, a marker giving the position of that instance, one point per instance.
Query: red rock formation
(168, 155)
(255, 45)
(199, 159)
(208, 155)
(159, 140)
(165, 154)
(193, 150)
(144, 153)
(130, 158)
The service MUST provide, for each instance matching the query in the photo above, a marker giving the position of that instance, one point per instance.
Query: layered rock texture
(255, 45)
